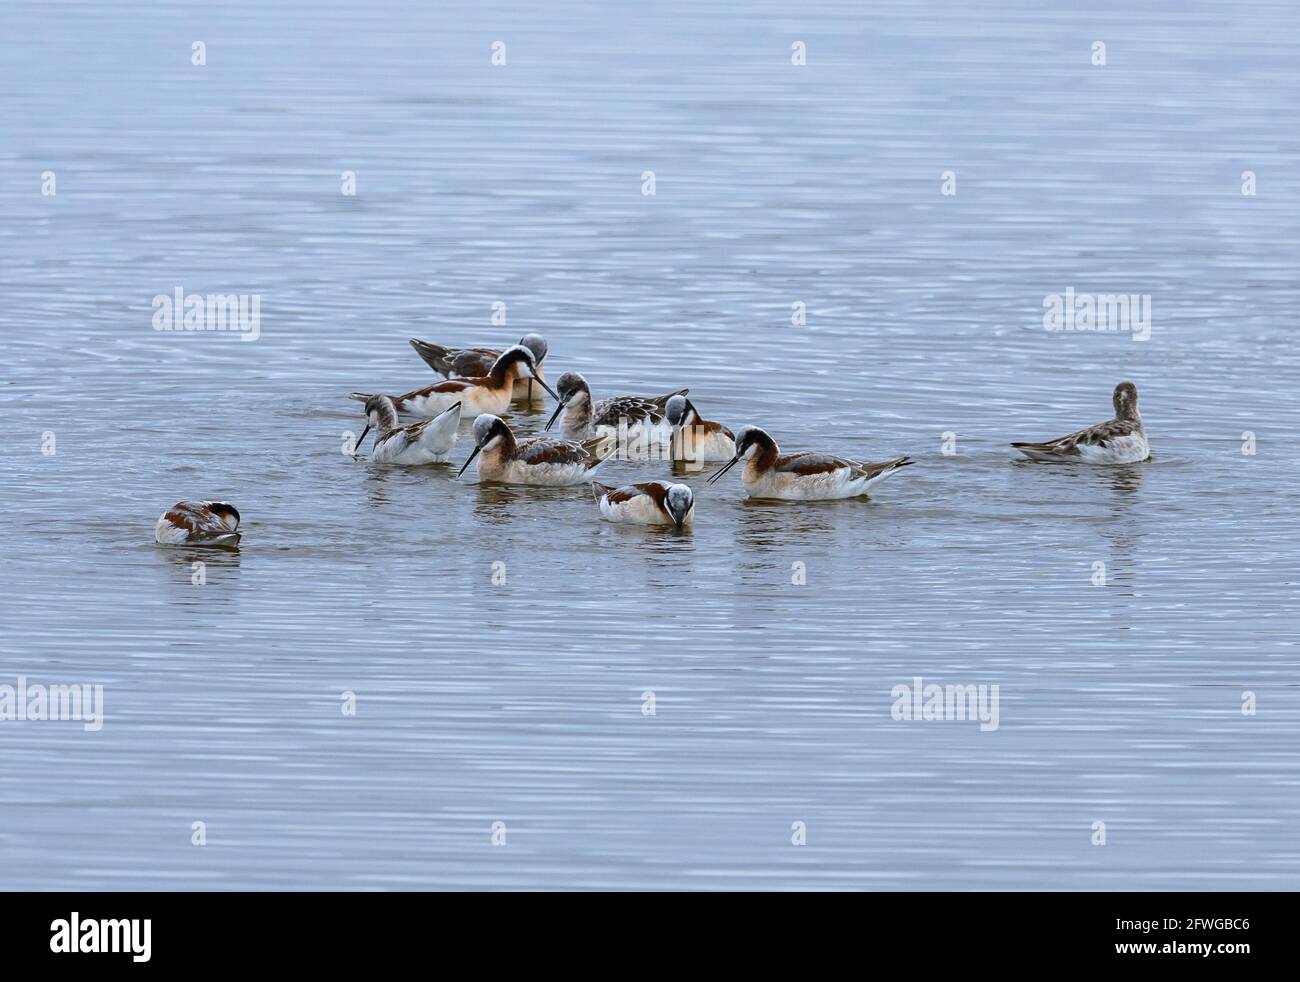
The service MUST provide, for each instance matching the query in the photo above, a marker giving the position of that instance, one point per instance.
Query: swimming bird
(477, 362)
(581, 419)
(652, 503)
(198, 523)
(490, 393)
(537, 461)
(695, 438)
(426, 442)
(804, 475)
(1121, 440)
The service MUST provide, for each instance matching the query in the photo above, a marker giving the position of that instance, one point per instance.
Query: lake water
(775, 184)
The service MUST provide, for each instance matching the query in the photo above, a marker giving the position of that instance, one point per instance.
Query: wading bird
(540, 460)
(426, 442)
(632, 419)
(695, 438)
(490, 393)
(652, 503)
(804, 475)
(1121, 440)
(477, 362)
(198, 523)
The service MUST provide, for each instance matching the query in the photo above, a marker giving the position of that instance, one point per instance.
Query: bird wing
(875, 470)
(449, 385)
(397, 440)
(809, 462)
(455, 362)
(608, 412)
(203, 519)
(473, 362)
(1098, 435)
(541, 450)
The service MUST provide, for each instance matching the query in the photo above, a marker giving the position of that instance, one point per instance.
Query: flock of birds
(485, 382)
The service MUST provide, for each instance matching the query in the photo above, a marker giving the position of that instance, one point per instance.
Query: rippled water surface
(776, 184)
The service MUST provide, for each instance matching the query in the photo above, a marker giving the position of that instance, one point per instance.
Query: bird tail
(434, 355)
(878, 472)
(594, 447)
(893, 466)
(1042, 452)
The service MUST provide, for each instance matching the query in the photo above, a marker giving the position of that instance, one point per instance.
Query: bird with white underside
(476, 362)
(628, 419)
(651, 503)
(694, 437)
(803, 475)
(490, 393)
(426, 442)
(198, 523)
(541, 460)
(1121, 440)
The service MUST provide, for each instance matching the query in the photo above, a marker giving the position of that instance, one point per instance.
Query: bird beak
(470, 459)
(559, 408)
(542, 382)
(726, 467)
(361, 441)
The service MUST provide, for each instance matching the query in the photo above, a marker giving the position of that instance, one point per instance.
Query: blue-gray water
(775, 184)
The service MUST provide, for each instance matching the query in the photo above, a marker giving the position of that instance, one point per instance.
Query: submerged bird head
(571, 390)
(1126, 401)
(750, 442)
(489, 433)
(679, 501)
(679, 412)
(537, 345)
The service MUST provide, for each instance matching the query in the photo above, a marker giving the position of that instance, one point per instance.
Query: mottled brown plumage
(1119, 440)
(803, 475)
(581, 418)
(472, 362)
(456, 363)
(540, 460)
(198, 523)
(490, 393)
(649, 503)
